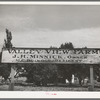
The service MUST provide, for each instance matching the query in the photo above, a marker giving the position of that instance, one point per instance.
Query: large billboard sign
(49, 55)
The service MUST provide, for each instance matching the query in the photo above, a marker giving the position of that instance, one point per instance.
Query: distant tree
(6, 68)
(97, 72)
(41, 74)
(65, 69)
(84, 47)
(5, 71)
(0, 57)
(67, 46)
(53, 47)
(81, 71)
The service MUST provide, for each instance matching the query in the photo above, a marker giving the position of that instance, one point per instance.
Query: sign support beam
(11, 85)
(91, 87)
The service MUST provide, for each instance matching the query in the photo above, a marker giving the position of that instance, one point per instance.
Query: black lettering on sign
(48, 51)
(65, 51)
(94, 51)
(88, 52)
(38, 51)
(23, 56)
(80, 52)
(32, 56)
(32, 52)
(14, 56)
(12, 51)
(45, 56)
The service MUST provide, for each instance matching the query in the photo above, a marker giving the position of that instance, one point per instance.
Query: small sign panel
(44, 55)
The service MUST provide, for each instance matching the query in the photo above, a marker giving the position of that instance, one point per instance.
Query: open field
(51, 88)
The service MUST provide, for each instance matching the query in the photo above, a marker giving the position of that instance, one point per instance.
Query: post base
(11, 87)
(90, 88)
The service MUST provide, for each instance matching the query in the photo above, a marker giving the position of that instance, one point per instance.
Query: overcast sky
(45, 25)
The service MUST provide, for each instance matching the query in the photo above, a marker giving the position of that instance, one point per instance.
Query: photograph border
(42, 95)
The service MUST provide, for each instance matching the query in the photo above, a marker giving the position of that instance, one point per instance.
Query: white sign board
(44, 55)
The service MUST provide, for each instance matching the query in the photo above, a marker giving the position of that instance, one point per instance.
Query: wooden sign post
(91, 86)
(11, 85)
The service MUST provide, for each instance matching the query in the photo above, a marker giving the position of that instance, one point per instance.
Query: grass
(51, 87)
(54, 88)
